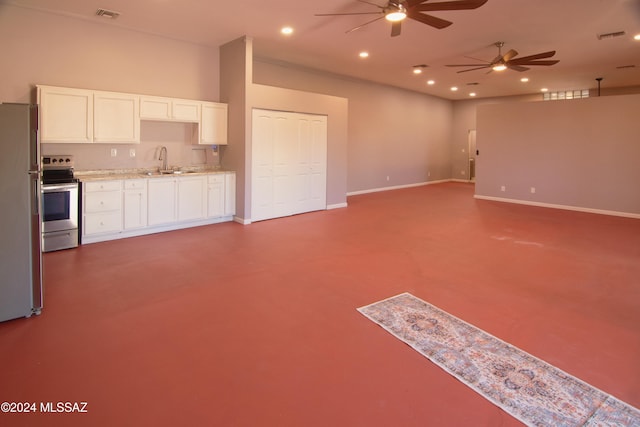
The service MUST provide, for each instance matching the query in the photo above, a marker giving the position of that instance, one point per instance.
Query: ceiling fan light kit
(395, 12)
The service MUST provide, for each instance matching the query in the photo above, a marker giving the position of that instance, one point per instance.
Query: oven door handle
(46, 188)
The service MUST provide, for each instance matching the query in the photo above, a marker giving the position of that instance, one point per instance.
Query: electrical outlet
(132, 152)
(533, 190)
(463, 173)
(428, 174)
(387, 177)
(503, 188)
(114, 152)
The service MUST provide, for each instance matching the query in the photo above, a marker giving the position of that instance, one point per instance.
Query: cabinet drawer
(90, 187)
(103, 201)
(135, 184)
(102, 223)
(216, 179)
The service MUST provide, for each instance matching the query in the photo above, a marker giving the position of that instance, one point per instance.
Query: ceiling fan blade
(473, 69)
(537, 56)
(347, 14)
(449, 5)
(366, 23)
(467, 65)
(546, 62)
(511, 54)
(429, 20)
(517, 67)
(396, 28)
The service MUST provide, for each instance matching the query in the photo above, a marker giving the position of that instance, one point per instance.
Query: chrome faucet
(163, 157)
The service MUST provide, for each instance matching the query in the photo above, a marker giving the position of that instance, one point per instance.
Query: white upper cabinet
(70, 115)
(66, 115)
(169, 109)
(116, 118)
(213, 124)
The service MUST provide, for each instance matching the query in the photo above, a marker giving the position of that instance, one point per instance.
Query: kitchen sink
(168, 172)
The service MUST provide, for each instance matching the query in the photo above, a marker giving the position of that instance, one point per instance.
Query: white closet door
(310, 180)
(263, 137)
(289, 165)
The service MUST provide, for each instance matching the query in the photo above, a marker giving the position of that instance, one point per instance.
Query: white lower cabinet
(134, 199)
(215, 196)
(192, 198)
(162, 201)
(102, 207)
(114, 209)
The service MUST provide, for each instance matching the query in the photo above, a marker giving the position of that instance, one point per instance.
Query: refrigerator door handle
(35, 196)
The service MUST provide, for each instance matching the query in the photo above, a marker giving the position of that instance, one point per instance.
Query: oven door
(59, 207)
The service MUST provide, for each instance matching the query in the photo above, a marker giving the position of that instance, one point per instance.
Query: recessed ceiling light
(364, 54)
(417, 71)
(472, 94)
(544, 89)
(636, 37)
(287, 31)
(431, 82)
(454, 88)
(524, 79)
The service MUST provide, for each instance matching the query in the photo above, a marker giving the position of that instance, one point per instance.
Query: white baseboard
(564, 207)
(241, 220)
(337, 206)
(397, 187)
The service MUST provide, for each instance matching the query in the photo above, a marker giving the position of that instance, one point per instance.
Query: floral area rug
(529, 389)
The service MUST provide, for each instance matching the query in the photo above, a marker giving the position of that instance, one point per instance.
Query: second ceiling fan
(396, 11)
(509, 60)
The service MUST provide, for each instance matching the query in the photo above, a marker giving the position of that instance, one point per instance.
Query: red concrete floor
(231, 325)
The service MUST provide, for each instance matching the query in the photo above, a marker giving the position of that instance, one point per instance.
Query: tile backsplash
(179, 138)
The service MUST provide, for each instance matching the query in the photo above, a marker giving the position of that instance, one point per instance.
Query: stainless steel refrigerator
(20, 229)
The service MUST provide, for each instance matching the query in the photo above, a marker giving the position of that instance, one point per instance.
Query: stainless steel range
(59, 203)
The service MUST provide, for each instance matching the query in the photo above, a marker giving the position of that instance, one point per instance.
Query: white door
(289, 165)
(310, 164)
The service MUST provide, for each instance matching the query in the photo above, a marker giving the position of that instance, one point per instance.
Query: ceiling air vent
(611, 35)
(107, 13)
(622, 67)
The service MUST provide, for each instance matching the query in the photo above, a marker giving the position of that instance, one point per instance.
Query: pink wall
(580, 153)
(392, 132)
(43, 48)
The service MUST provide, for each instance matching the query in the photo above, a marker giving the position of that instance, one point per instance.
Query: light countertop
(116, 174)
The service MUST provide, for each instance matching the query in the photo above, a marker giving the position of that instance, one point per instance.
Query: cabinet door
(215, 196)
(230, 193)
(155, 108)
(162, 201)
(192, 198)
(116, 118)
(66, 115)
(213, 125)
(135, 204)
(184, 110)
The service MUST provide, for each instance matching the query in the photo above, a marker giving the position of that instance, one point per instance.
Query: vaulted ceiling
(570, 27)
